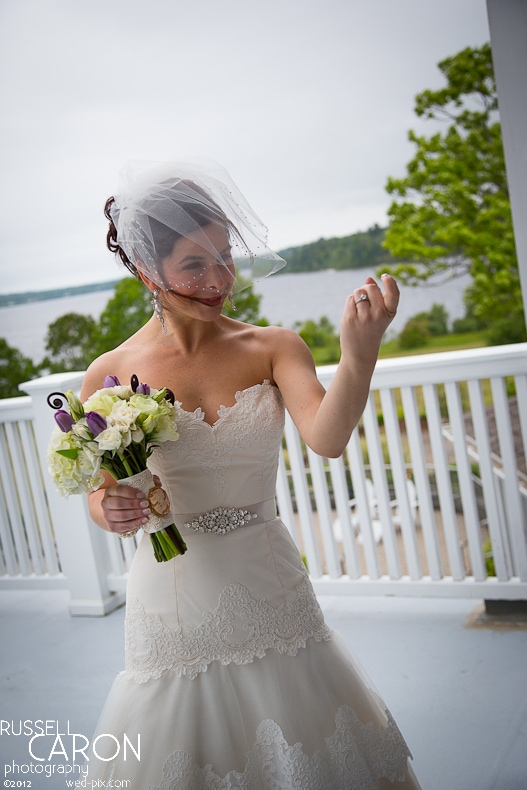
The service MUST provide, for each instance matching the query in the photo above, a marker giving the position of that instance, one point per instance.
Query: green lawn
(435, 344)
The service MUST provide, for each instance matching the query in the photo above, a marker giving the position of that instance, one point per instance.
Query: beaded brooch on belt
(221, 520)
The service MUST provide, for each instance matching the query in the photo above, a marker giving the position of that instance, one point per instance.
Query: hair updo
(157, 238)
(111, 238)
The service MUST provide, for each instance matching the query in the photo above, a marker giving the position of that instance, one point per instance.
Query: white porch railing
(445, 422)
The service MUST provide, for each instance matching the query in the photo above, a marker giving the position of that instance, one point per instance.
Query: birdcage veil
(158, 204)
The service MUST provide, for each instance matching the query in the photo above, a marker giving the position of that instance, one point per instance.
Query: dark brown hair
(163, 238)
(111, 238)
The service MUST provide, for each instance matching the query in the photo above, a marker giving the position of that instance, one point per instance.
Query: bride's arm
(325, 420)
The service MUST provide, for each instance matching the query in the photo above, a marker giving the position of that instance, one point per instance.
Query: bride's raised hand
(367, 314)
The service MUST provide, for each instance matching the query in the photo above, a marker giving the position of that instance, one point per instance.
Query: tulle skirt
(309, 721)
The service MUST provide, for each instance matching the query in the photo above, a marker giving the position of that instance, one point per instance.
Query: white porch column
(81, 543)
(508, 37)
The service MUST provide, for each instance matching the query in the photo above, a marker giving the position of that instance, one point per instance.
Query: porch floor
(456, 690)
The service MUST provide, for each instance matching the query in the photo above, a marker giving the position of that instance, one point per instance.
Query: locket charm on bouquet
(156, 497)
(164, 535)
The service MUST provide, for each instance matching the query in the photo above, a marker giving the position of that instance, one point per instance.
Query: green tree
(125, 313)
(14, 369)
(321, 338)
(358, 251)
(414, 334)
(469, 322)
(510, 329)
(451, 213)
(245, 305)
(436, 320)
(70, 343)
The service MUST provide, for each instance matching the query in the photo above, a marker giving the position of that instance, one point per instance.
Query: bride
(232, 679)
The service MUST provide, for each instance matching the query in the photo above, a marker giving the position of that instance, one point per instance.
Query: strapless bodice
(231, 463)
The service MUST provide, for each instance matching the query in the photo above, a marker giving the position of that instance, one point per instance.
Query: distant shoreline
(7, 300)
(362, 250)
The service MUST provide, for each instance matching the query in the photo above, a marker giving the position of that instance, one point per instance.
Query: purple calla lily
(96, 423)
(64, 420)
(143, 389)
(111, 381)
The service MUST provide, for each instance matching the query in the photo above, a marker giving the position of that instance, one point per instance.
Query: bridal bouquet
(116, 430)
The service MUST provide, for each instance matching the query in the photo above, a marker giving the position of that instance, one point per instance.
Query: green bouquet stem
(167, 543)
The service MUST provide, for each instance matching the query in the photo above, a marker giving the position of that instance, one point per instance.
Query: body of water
(286, 299)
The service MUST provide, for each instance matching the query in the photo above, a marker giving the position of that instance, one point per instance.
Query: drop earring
(158, 309)
(231, 300)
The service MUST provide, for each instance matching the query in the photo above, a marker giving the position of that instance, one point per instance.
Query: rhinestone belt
(222, 520)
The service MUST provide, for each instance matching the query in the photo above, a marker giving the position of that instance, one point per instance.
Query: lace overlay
(357, 756)
(211, 448)
(239, 630)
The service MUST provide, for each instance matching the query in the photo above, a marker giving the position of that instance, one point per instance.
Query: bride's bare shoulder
(112, 363)
(272, 334)
(280, 338)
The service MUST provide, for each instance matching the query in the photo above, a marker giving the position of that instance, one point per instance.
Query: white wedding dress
(232, 678)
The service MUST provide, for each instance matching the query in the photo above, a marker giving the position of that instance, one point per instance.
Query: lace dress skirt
(258, 693)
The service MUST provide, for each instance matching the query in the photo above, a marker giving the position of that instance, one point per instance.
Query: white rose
(123, 416)
(110, 439)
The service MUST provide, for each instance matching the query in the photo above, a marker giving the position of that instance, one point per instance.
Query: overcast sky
(306, 102)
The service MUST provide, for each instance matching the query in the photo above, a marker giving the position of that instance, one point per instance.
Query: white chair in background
(412, 499)
(355, 520)
(374, 513)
